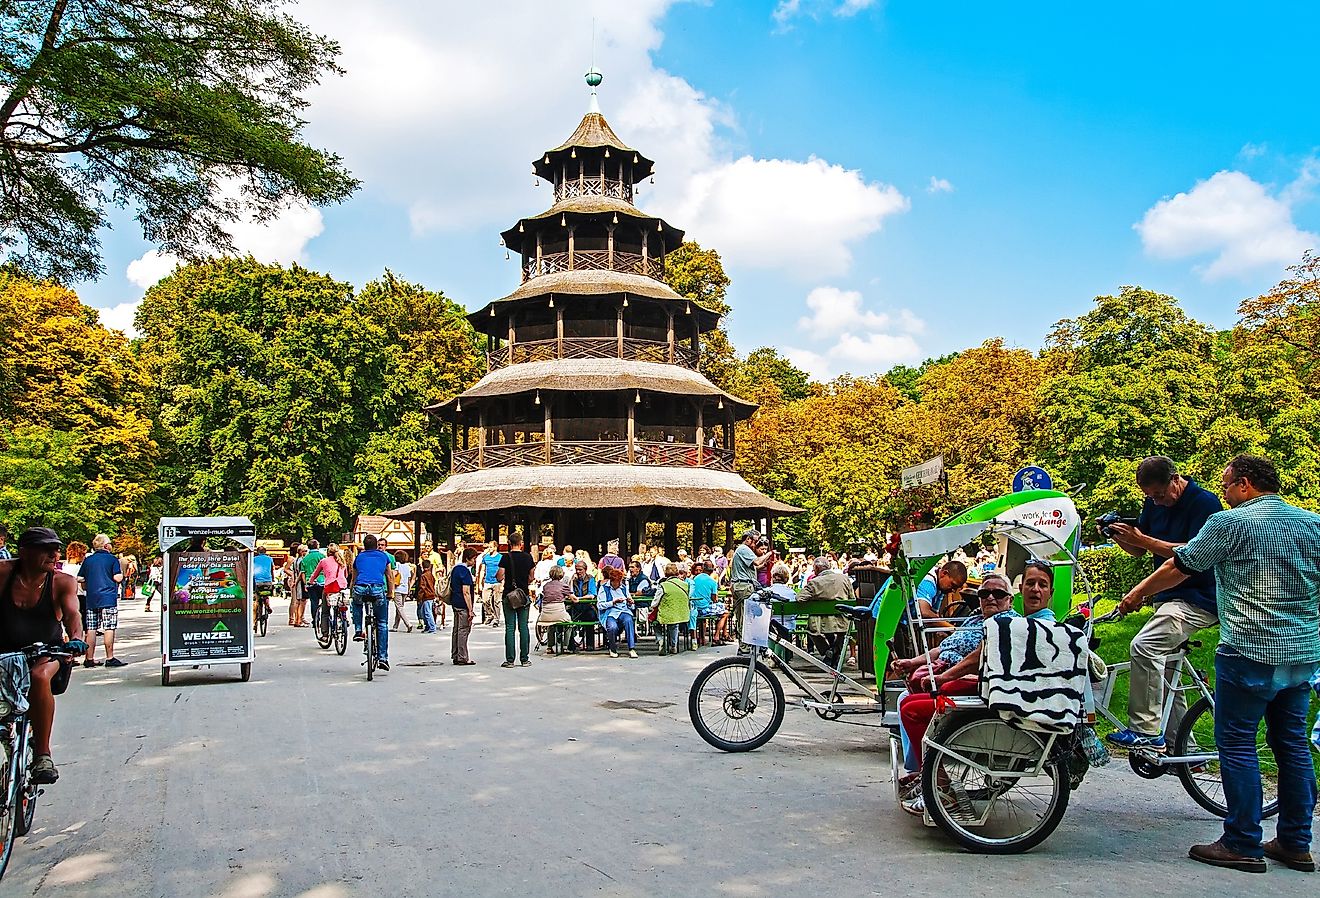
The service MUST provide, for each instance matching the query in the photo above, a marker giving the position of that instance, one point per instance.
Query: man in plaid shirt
(1266, 557)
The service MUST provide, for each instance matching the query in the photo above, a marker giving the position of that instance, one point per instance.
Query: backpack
(444, 588)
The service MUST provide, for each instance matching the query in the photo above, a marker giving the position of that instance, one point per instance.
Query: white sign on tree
(924, 473)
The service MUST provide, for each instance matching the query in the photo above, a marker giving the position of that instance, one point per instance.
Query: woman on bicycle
(336, 576)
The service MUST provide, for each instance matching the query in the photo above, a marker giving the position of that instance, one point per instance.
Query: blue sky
(886, 181)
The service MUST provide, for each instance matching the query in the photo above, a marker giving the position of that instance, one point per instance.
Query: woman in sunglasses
(954, 673)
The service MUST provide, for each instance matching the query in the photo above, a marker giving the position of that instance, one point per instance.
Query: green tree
(82, 394)
(767, 377)
(1131, 378)
(164, 106)
(904, 378)
(699, 275)
(290, 400)
(42, 483)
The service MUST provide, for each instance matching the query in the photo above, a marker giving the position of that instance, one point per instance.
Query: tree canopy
(187, 113)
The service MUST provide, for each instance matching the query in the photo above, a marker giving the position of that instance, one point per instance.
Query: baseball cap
(39, 536)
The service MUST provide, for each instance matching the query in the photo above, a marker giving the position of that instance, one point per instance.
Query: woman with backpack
(672, 609)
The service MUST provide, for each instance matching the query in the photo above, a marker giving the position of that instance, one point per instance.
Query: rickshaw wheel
(1145, 768)
(992, 813)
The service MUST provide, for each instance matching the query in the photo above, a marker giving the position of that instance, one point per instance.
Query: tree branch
(27, 80)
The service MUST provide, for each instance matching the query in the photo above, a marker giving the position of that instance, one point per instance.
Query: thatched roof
(594, 486)
(586, 282)
(579, 375)
(591, 133)
(598, 206)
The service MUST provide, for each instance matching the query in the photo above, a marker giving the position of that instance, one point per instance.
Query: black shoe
(115, 662)
(382, 664)
(92, 663)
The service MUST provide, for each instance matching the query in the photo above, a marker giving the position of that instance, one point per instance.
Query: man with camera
(1175, 510)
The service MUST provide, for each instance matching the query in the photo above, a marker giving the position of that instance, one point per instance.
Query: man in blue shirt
(101, 576)
(263, 577)
(1175, 510)
(492, 591)
(371, 584)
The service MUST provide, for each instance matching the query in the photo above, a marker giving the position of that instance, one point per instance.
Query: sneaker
(115, 662)
(43, 771)
(1133, 739)
(915, 806)
(613, 654)
(382, 664)
(632, 653)
(359, 636)
(91, 663)
(507, 664)
(525, 664)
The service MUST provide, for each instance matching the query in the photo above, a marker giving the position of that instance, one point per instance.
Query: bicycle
(339, 626)
(370, 637)
(260, 611)
(17, 791)
(321, 623)
(737, 703)
(1193, 755)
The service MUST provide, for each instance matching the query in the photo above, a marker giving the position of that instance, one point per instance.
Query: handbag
(517, 598)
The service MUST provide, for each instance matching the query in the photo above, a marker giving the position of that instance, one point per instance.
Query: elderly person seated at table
(827, 631)
(952, 672)
(638, 583)
(672, 608)
(582, 599)
(705, 603)
(780, 574)
(615, 607)
(551, 603)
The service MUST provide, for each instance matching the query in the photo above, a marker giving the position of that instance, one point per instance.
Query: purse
(517, 598)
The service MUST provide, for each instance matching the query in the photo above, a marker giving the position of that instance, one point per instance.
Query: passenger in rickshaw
(1038, 589)
(954, 673)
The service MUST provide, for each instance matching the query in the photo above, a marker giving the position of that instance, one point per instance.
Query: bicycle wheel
(341, 634)
(1204, 782)
(321, 625)
(261, 623)
(25, 796)
(369, 645)
(983, 790)
(713, 705)
(9, 812)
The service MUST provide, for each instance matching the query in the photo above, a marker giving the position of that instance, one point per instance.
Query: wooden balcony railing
(619, 190)
(595, 452)
(594, 260)
(592, 348)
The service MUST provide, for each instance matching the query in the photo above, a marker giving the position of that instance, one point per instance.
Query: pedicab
(992, 786)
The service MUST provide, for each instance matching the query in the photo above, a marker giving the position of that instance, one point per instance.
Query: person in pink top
(336, 574)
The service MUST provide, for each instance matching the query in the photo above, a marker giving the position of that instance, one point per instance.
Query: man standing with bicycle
(1175, 510)
(35, 598)
(1265, 555)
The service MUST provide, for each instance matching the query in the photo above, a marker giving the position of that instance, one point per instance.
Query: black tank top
(20, 627)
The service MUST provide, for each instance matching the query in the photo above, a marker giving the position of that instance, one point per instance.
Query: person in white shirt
(402, 587)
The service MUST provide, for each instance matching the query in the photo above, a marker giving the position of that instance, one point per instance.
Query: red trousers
(918, 708)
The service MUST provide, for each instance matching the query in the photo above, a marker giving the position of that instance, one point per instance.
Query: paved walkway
(576, 776)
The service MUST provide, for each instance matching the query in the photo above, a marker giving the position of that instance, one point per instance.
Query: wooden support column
(609, 247)
(670, 313)
(602, 175)
(571, 229)
(549, 434)
(696, 345)
(644, 251)
(539, 252)
(728, 533)
(632, 432)
(618, 331)
(481, 438)
(671, 538)
(559, 332)
(417, 543)
(770, 530)
(701, 435)
(512, 334)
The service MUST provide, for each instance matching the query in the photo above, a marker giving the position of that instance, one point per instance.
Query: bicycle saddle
(856, 612)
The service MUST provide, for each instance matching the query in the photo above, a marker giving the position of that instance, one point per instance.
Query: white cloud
(120, 317)
(939, 185)
(1231, 218)
(443, 108)
(862, 341)
(279, 240)
(787, 10)
(853, 7)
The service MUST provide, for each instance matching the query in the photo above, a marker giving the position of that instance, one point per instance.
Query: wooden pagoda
(594, 417)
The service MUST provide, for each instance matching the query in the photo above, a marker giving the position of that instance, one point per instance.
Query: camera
(1109, 519)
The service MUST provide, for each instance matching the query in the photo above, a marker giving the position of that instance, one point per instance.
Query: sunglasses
(997, 595)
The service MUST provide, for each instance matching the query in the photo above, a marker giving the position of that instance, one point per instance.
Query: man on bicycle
(1175, 510)
(36, 597)
(263, 582)
(371, 583)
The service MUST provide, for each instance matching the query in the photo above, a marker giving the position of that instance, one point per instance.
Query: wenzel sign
(924, 473)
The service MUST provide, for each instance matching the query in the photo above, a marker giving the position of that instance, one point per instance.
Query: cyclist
(371, 583)
(36, 597)
(263, 582)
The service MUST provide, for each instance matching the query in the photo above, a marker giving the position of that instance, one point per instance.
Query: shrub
(1111, 572)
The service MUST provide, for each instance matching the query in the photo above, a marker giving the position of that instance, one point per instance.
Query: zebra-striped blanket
(1034, 673)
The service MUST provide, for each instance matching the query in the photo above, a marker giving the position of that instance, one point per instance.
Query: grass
(1115, 639)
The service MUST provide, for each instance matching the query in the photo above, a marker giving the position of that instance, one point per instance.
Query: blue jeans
(614, 625)
(380, 600)
(1247, 692)
(426, 610)
(516, 619)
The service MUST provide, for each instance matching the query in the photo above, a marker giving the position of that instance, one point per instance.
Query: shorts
(98, 620)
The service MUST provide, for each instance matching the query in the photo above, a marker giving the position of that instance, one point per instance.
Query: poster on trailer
(208, 606)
